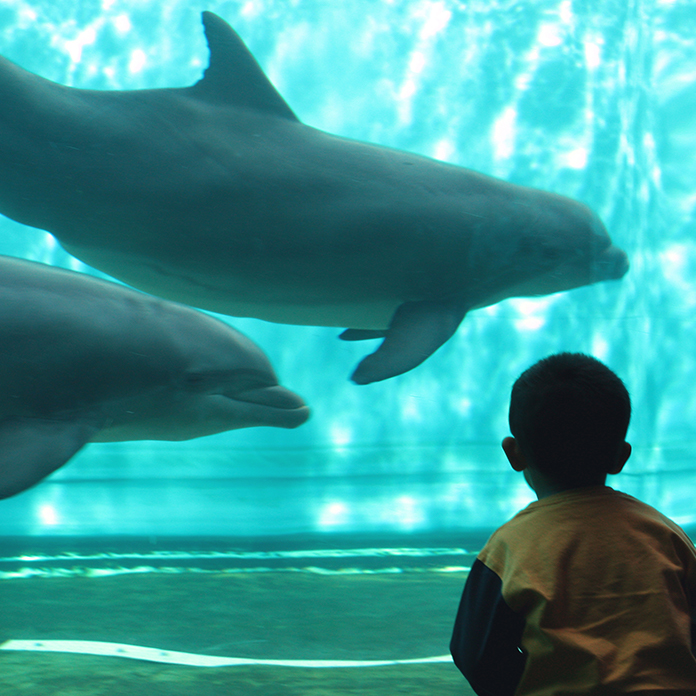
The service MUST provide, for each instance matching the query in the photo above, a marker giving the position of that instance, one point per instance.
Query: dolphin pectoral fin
(362, 334)
(33, 448)
(416, 331)
(233, 76)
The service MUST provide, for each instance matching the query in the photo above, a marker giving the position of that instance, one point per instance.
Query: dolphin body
(217, 196)
(85, 360)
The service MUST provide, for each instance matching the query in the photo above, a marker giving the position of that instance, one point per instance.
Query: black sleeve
(692, 604)
(487, 634)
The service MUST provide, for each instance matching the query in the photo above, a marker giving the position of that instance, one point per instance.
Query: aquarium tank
(347, 539)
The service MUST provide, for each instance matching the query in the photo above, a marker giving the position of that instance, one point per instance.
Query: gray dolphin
(217, 196)
(85, 360)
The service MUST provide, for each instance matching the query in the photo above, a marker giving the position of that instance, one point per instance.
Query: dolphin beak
(294, 410)
(611, 264)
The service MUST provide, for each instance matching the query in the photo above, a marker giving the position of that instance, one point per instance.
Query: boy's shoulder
(594, 517)
(590, 505)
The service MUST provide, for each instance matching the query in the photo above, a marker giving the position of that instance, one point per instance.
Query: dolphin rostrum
(86, 360)
(217, 196)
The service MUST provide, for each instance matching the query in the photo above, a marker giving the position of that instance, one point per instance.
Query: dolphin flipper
(33, 448)
(415, 332)
(362, 334)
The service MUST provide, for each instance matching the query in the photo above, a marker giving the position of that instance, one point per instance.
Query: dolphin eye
(196, 380)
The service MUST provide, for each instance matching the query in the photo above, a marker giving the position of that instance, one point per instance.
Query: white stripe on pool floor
(136, 652)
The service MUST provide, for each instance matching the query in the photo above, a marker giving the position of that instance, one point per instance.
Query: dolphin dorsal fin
(233, 76)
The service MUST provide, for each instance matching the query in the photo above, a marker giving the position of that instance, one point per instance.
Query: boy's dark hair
(569, 414)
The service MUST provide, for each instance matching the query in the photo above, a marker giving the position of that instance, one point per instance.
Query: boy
(586, 590)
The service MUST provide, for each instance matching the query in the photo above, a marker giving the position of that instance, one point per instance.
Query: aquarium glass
(592, 99)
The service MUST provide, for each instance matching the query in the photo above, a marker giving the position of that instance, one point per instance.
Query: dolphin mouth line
(276, 406)
(276, 397)
(611, 264)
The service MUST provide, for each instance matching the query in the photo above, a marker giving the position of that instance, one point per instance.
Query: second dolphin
(84, 360)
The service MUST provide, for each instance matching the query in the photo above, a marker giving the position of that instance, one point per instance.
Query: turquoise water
(350, 537)
(593, 100)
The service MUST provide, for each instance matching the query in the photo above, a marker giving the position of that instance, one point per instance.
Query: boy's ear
(622, 459)
(513, 453)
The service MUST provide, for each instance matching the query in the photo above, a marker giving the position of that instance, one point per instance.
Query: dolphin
(86, 360)
(217, 196)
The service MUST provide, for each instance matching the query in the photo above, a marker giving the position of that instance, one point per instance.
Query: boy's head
(569, 415)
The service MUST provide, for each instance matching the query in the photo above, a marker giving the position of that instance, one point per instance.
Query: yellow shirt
(603, 587)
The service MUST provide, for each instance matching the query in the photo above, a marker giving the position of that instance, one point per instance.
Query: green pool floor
(279, 615)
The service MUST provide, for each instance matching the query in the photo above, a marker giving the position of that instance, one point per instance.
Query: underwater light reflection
(48, 515)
